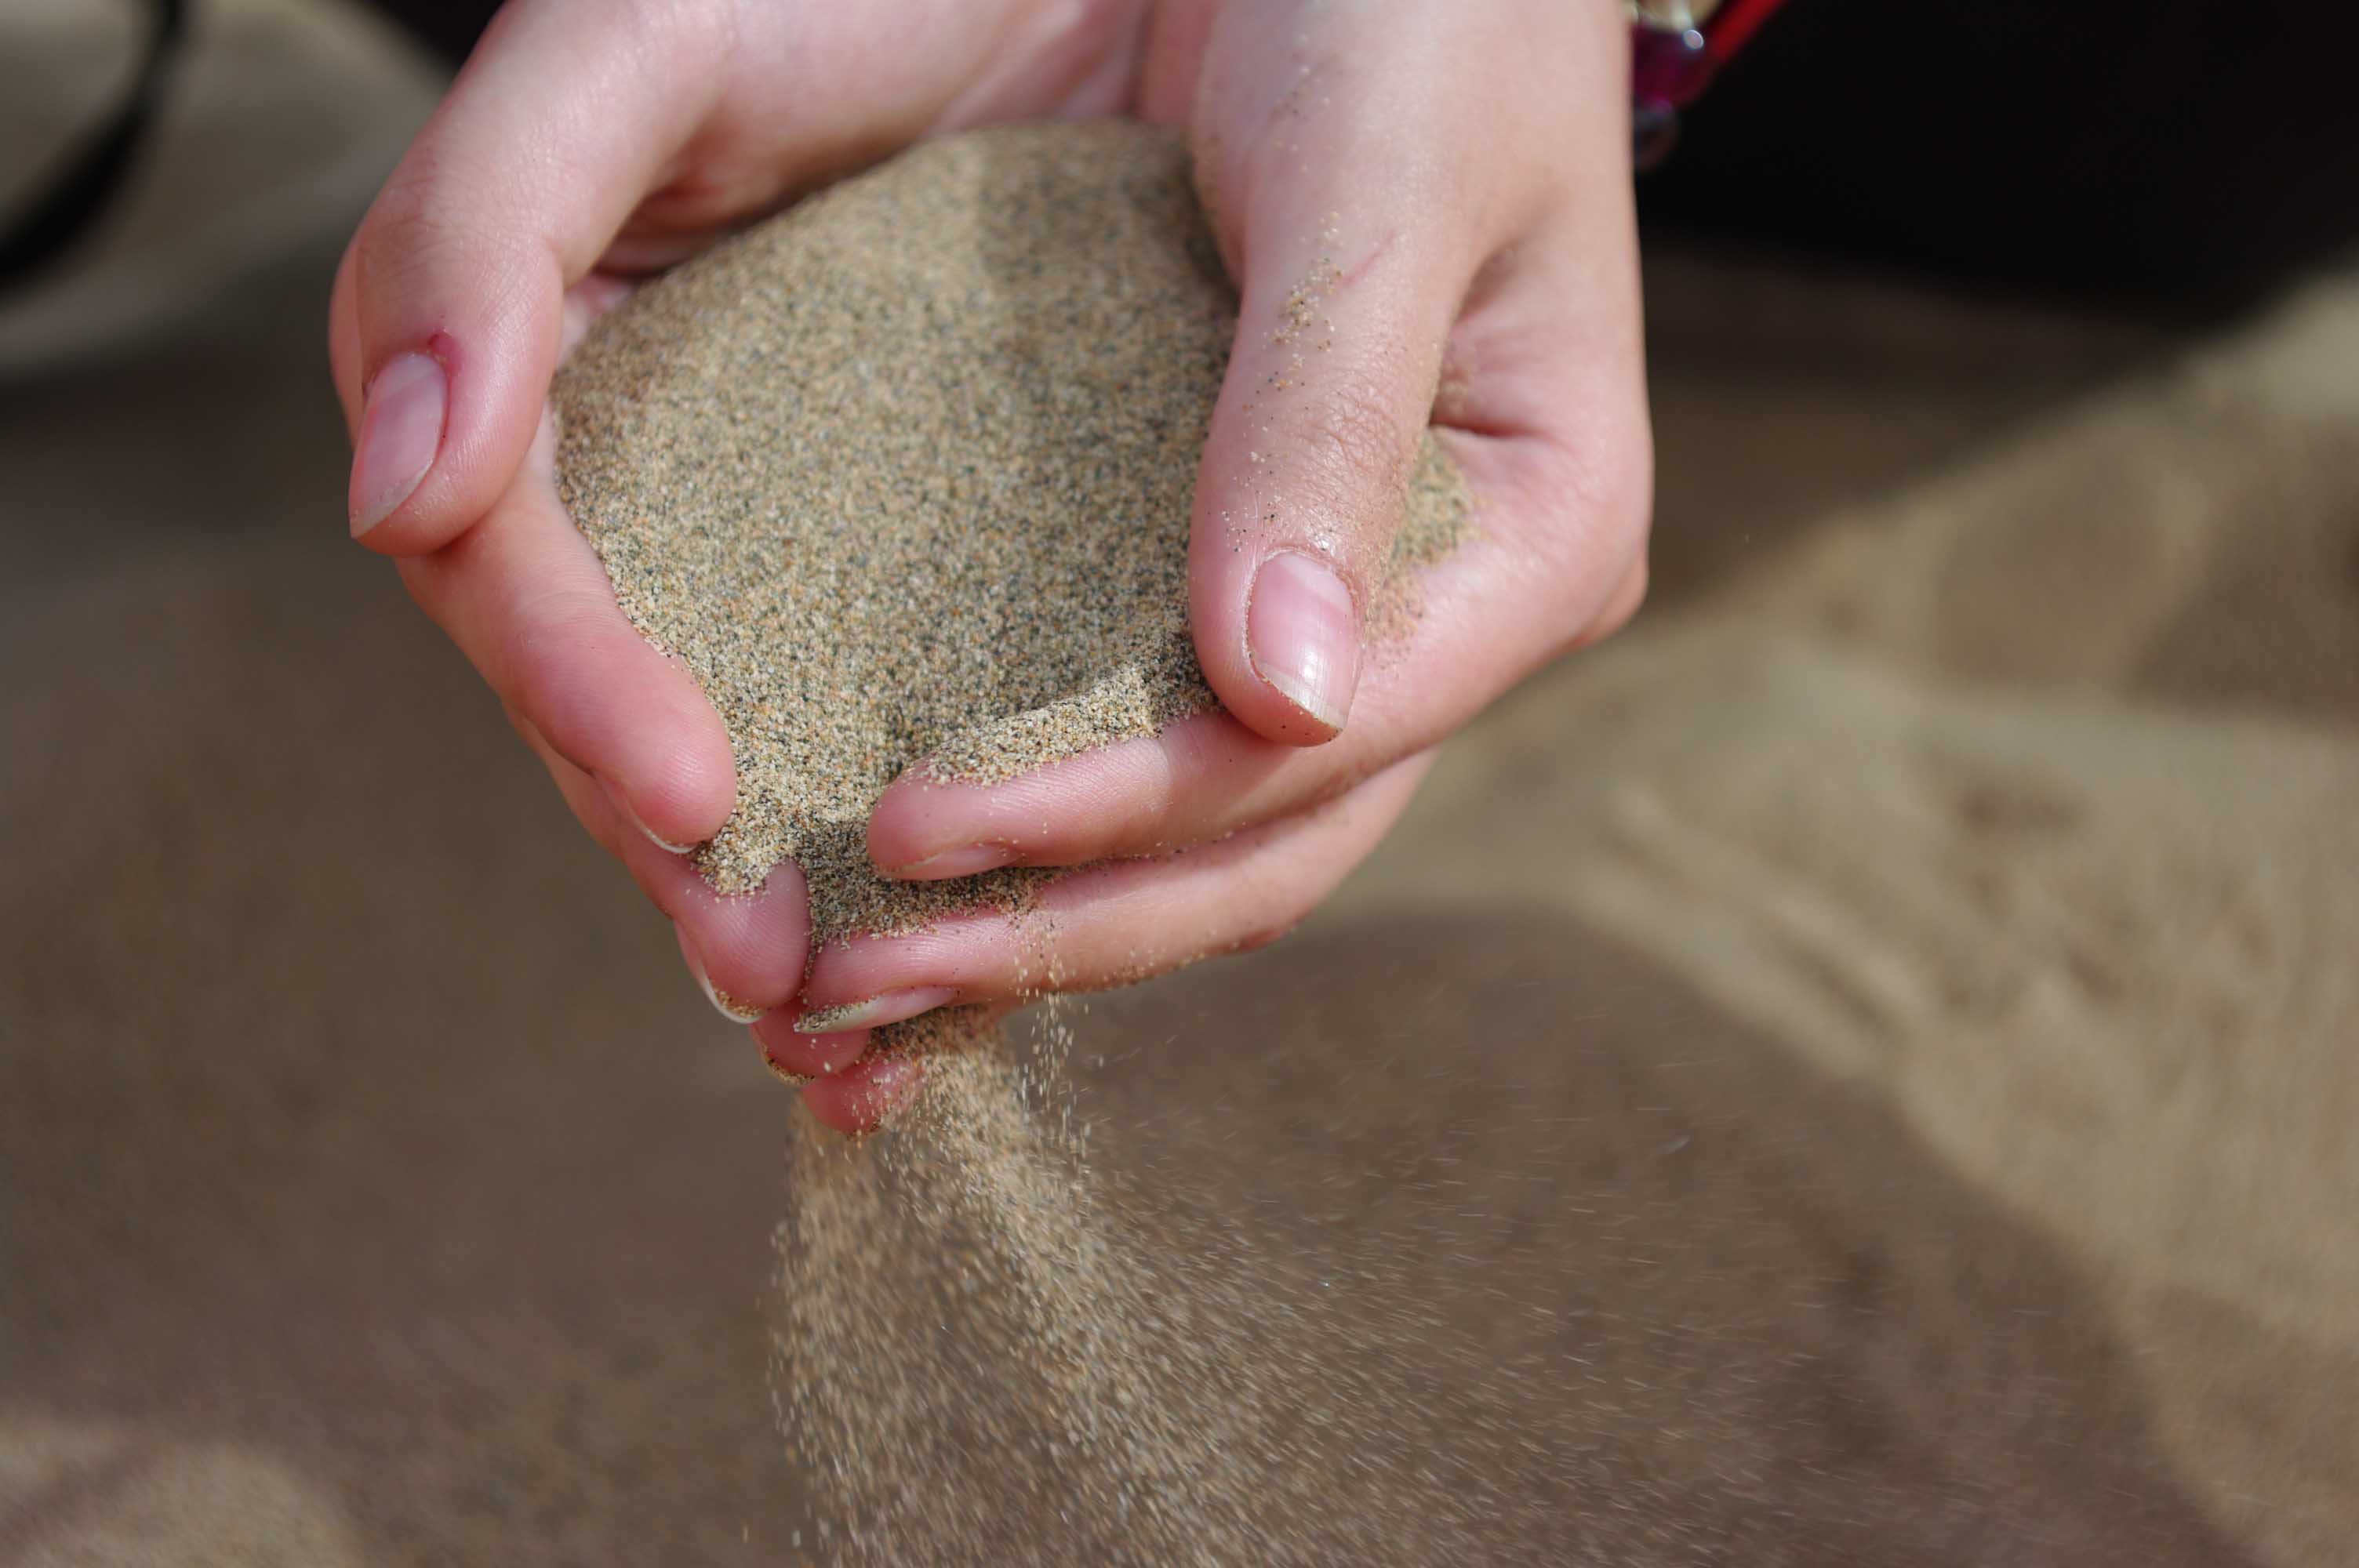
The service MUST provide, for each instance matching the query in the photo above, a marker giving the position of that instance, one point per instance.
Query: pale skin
(1463, 164)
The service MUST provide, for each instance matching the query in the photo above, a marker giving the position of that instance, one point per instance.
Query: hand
(1466, 165)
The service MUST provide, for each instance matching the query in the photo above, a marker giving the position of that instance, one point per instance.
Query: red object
(1735, 23)
(1670, 69)
(1671, 66)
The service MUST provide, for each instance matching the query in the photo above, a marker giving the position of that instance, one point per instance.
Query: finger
(566, 115)
(528, 602)
(588, 803)
(1557, 566)
(1200, 779)
(867, 1091)
(1355, 238)
(1547, 413)
(795, 1054)
(1112, 924)
(614, 130)
(856, 1101)
(747, 952)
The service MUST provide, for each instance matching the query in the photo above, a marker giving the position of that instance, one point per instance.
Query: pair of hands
(1466, 164)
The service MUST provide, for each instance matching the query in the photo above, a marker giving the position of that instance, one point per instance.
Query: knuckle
(411, 231)
(1358, 448)
(1368, 439)
(438, 238)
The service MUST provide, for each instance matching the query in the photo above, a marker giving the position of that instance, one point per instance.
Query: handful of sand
(905, 474)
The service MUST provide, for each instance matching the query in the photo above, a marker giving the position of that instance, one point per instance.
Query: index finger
(564, 117)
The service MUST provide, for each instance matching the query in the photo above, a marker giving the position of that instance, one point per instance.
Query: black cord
(59, 214)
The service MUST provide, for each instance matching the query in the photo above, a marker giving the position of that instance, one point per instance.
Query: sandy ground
(1931, 922)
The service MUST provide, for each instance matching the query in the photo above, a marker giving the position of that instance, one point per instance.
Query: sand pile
(906, 473)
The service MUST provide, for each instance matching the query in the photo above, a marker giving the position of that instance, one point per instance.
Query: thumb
(1352, 277)
(449, 315)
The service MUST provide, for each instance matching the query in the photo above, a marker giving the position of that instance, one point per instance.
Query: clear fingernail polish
(401, 431)
(1302, 634)
(892, 1006)
(967, 861)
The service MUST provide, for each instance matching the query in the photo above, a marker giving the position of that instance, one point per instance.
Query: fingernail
(972, 860)
(401, 430)
(875, 1012)
(727, 1006)
(1303, 636)
(622, 803)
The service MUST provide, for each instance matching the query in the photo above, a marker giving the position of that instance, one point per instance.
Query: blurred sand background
(1930, 931)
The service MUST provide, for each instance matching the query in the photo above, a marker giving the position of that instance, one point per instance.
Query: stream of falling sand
(991, 1350)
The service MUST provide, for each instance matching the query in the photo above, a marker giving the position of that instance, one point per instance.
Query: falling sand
(904, 477)
(993, 1349)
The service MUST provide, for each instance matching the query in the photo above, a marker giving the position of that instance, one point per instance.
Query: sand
(905, 475)
(1419, 1289)
(1920, 1173)
(311, 1263)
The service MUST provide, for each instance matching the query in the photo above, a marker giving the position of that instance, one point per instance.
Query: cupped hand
(1426, 206)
